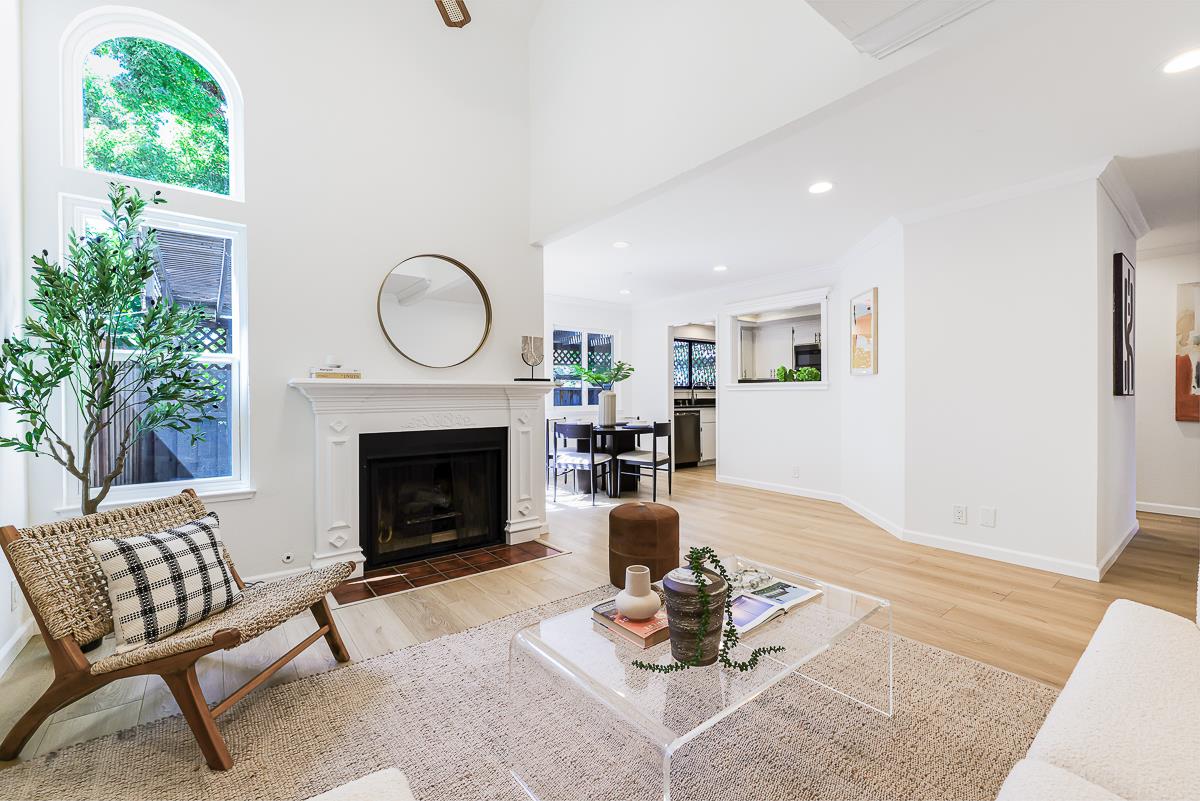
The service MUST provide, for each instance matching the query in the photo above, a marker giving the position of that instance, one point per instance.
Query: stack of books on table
(334, 372)
(643, 633)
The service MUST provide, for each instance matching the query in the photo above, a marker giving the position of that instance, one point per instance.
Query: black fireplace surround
(427, 493)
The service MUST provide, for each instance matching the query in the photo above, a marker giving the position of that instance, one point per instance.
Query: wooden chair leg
(185, 686)
(58, 695)
(320, 610)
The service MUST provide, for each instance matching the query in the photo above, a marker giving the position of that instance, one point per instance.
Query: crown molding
(1167, 251)
(1112, 180)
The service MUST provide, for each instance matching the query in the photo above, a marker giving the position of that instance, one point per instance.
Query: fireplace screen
(431, 492)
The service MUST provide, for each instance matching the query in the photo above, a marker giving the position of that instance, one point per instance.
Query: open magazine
(752, 608)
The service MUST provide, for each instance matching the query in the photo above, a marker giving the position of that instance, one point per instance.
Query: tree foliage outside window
(152, 112)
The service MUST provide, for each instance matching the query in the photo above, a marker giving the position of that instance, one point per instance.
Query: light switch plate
(987, 516)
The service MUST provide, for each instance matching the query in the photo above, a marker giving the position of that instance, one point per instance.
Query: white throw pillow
(164, 582)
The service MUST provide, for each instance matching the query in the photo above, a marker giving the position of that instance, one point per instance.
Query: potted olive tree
(119, 358)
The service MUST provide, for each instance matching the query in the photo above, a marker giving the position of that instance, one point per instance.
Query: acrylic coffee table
(580, 709)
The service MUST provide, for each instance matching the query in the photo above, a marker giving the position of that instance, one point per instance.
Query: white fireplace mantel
(345, 408)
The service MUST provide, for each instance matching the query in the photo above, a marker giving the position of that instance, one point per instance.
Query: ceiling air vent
(881, 27)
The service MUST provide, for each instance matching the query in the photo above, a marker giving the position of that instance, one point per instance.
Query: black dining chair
(597, 464)
(551, 467)
(653, 460)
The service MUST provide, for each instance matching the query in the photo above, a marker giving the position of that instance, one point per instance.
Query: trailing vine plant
(697, 558)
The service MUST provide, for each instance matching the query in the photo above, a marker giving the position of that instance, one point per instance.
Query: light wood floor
(1027, 621)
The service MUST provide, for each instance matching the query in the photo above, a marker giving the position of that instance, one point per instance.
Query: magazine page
(750, 611)
(785, 594)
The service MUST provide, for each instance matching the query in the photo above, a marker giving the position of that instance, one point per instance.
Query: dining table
(614, 440)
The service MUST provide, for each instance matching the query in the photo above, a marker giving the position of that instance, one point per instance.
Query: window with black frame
(695, 364)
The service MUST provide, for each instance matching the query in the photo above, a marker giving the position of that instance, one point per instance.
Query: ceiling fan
(454, 12)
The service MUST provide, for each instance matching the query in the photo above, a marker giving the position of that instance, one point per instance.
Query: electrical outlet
(959, 514)
(796, 471)
(987, 516)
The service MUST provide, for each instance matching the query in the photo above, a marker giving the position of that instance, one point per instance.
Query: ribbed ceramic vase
(637, 601)
(684, 612)
(608, 407)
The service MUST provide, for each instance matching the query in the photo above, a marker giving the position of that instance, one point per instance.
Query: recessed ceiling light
(1183, 62)
(620, 245)
(820, 188)
(720, 268)
(624, 291)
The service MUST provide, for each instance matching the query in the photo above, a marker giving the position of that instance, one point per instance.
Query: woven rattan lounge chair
(66, 590)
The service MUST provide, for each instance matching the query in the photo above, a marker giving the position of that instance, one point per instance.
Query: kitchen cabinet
(708, 435)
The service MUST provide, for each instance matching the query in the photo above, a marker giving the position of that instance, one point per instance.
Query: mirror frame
(487, 309)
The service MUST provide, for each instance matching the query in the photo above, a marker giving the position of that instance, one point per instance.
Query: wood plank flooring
(1027, 621)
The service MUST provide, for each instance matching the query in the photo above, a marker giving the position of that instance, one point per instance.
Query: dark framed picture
(1124, 286)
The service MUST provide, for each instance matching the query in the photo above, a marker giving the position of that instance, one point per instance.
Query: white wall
(1168, 451)
(14, 625)
(628, 94)
(874, 406)
(573, 313)
(786, 440)
(1001, 312)
(1116, 513)
(402, 137)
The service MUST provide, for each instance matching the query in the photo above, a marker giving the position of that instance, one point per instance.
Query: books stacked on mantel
(643, 633)
(334, 372)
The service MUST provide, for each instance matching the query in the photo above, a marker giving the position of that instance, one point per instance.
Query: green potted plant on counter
(798, 374)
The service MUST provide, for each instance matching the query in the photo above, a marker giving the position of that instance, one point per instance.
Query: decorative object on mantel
(864, 333)
(533, 354)
(696, 636)
(638, 601)
(434, 310)
(605, 378)
(82, 312)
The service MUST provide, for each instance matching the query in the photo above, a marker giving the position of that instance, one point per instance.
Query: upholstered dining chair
(67, 592)
(654, 460)
(597, 464)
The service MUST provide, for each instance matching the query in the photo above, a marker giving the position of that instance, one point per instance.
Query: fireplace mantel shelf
(324, 391)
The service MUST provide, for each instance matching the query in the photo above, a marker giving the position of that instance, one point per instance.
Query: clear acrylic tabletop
(671, 708)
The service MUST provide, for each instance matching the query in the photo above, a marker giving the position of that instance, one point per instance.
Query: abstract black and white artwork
(1124, 283)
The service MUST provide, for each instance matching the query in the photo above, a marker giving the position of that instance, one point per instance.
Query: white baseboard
(1168, 509)
(14, 644)
(895, 530)
(277, 575)
(1062, 566)
(786, 489)
(1115, 552)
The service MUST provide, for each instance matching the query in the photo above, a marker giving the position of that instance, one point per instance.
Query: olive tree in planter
(120, 359)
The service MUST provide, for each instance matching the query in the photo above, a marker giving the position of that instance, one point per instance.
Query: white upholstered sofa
(1127, 724)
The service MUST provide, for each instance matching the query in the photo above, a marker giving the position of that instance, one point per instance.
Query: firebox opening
(426, 493)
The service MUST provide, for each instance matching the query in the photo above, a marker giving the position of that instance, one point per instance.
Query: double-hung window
(593, 350)
(196, 264)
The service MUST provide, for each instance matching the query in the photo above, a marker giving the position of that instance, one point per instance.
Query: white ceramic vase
(608, 407)
(637, 601)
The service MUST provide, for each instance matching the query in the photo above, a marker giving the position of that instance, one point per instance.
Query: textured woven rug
(441, 712)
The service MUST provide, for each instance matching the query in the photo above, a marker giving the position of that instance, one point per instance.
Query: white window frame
(584, 331)
(732, 352)
(76, 211)
(110, 22)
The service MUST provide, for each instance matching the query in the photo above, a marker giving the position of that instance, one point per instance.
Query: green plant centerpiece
(798, 374)
(119, 357)
(697, 559)
(604, 378)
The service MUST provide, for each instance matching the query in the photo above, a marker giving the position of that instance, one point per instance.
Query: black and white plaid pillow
(161, 583)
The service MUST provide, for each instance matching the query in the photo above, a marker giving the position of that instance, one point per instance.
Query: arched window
(151, 111)
(145, 98)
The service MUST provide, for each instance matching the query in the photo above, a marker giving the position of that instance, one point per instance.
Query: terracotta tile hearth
(423, 572)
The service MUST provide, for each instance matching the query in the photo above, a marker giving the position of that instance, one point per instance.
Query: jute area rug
(442, 712)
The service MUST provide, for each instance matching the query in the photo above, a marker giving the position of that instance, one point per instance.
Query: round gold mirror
(434, 311)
